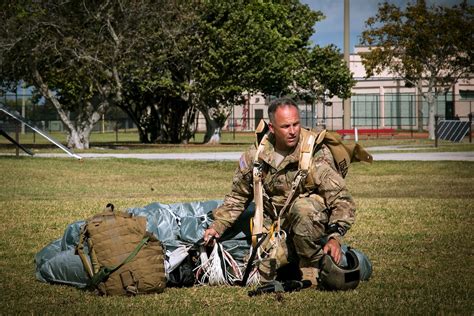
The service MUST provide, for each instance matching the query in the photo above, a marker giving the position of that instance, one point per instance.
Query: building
(382, 101)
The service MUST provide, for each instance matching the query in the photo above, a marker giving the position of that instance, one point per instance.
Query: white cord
(234, 273)
(278, 237)
(254, 278)
(219, 268)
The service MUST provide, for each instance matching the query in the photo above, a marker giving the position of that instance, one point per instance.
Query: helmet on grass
(333, 277)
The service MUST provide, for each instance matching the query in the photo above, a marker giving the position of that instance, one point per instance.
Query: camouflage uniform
(322, 200)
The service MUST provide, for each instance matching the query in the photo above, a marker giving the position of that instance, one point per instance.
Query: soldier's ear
(270, 127)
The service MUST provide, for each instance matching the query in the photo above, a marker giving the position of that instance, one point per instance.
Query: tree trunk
(215, 137)
(142, 135)
(176, 115)
(189, 125)
(79, 138)
(79, 131)
(419, 106)
(431, 120)
(137, 116)
(213, 130)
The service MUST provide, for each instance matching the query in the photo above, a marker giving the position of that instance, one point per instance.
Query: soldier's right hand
(333, 248)
(210, 236)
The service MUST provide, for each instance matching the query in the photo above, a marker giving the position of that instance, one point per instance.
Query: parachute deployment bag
(124, 258)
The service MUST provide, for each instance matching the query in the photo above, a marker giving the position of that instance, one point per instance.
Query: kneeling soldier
(301, 190)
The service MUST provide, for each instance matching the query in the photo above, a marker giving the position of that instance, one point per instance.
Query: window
(466, 94)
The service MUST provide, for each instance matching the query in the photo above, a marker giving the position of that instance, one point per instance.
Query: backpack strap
(310, 140)
(81, 253)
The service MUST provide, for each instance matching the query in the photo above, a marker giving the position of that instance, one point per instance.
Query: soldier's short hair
(277, 103)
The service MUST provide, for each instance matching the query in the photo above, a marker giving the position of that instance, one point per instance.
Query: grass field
(125, 142)
(414, 221)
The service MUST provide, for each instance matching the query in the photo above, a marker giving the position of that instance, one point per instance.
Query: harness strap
(307, 148)
(249, 266)
(300, 176)
(306, 155)
(257, 226)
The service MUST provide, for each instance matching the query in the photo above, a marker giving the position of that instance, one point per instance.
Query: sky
(330, 30)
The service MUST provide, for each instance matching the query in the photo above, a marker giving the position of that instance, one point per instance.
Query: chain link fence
(370, 111)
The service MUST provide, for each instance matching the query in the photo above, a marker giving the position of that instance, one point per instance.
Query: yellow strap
(272, 230)
(310, 139)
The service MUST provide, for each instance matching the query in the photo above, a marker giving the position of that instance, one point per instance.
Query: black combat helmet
(336, 278)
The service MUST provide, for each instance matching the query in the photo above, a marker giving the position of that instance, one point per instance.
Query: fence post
(436, 129)
(470, 127)
(17, 139)
(233, 122)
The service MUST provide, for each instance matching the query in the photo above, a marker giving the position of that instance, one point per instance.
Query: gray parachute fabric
(57, 262)
(175, 225)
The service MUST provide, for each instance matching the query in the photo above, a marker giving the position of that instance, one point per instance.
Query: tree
(74, 53)
(429, 46)
(161, 62)
(35, 47)
(324, 73)
(157, 82)
(215, 51)
(253, 46)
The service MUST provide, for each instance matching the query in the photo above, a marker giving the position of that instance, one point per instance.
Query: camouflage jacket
(324, 182)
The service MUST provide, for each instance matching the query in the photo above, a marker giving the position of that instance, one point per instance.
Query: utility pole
(346, 102)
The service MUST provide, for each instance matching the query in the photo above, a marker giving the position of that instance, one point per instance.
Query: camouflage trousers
(305, 224)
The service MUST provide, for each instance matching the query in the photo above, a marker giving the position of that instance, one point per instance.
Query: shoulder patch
(243, 163)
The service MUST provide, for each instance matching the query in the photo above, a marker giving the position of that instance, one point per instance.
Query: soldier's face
(286, 127)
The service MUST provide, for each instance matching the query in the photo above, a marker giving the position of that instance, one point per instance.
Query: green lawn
(414, 221)
(125, 141)
(122, 136)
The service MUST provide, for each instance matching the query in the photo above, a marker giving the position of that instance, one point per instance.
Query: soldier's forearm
(226, 214)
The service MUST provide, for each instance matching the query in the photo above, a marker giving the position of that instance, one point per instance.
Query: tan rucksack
(124, 258)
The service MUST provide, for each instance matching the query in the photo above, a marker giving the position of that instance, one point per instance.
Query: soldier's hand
(333, 248)
(210, 236)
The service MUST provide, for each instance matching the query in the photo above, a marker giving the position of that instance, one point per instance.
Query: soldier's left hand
(333, 248)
